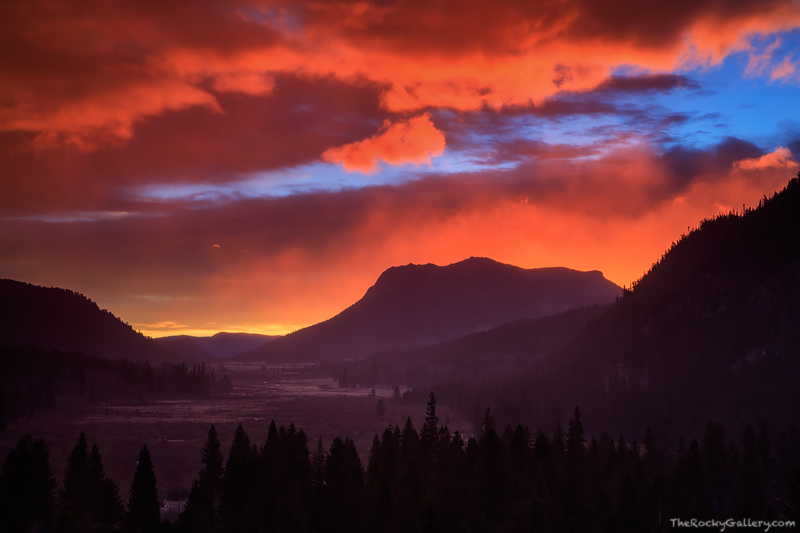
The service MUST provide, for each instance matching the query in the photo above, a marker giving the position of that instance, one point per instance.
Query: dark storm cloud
(686, 163)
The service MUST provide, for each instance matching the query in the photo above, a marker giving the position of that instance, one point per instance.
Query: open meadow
(174, 430)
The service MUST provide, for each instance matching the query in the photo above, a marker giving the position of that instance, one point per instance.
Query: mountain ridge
(414, 305)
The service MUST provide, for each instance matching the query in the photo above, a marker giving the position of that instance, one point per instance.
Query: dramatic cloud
(412, 141)
(83, 74)
(198, 166)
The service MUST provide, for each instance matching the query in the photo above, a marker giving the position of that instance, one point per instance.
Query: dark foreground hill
(417, 305)
(60, 319)
(712, 331)
(221, 345)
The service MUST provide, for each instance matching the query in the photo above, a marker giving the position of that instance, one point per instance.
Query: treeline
(426, 480)
(31, 379)
(88, 501)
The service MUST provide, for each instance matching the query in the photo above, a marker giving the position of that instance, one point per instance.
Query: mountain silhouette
(417, 305)
(64, 320)
(220, 345)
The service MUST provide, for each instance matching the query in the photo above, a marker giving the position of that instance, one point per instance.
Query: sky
(202, 166)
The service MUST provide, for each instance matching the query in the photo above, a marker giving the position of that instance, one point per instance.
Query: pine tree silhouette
(105, 505)
(74, 498)
(143, 506)
(27, 488)
(430, 427)
(200, 512)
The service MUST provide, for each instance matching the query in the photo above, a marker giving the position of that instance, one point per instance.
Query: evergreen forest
(426, 480)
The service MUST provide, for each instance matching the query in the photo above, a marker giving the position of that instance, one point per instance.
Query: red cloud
(411, 141)
(85, 73)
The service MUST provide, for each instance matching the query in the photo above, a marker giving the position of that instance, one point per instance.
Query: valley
(174, 429)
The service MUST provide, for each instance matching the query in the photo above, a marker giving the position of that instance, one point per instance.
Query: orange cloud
(781, 158)
(410, 141)
(83, 77)
(167, 324)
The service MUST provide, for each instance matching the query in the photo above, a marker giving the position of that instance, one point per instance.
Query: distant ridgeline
(712, 331)
(33, 379)
(431, 480)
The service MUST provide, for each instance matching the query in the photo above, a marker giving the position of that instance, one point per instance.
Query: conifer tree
(430, 428)
(200, 512)
(143, 506)
(88, 500)
(105, 505)
(344, 477)
(212, 471)
(318, 465)
(575, 438)
(409, 442)
(74, 498)
(489, 470)
(27, 488)
(236, 507)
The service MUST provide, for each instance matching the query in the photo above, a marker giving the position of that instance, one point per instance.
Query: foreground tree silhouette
(238, 508)
(200, 512)
(105, 505)
(344, 477)
(74, 498)
(143, 507)
(27, 488)
(88, 501)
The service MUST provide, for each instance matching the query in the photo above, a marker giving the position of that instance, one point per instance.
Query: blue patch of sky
(734, 103)
(316, 177)
(728, 101)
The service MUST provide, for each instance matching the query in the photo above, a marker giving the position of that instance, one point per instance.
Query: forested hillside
(61, 319)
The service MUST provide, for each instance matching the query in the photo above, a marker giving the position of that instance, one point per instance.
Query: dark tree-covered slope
(416, 305)
(532, 338)
(60, 319)
(712, 331)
